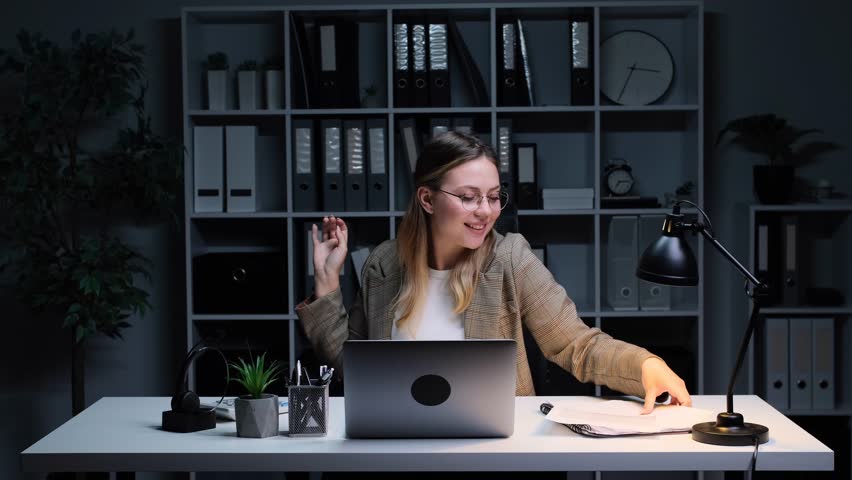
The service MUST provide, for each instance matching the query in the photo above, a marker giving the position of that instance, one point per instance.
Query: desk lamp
(670, 261)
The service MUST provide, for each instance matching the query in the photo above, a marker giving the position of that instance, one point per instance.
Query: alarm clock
(618, 177)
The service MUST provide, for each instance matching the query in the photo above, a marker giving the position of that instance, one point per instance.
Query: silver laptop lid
(461, 388)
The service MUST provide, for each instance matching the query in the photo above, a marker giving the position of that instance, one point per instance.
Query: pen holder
(308, 410)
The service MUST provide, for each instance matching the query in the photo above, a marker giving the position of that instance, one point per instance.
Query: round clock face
(619, 181)
(636, 68)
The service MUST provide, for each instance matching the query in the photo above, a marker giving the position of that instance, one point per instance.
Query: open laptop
(429, 389)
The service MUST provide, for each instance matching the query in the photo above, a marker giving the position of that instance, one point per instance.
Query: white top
(437, 320)
(123, 434)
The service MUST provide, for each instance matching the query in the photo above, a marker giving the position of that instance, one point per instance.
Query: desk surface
(124, 434)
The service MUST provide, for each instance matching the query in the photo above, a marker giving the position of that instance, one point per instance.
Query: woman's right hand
(329, 254)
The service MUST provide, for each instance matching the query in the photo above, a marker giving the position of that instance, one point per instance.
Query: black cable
(754, 455)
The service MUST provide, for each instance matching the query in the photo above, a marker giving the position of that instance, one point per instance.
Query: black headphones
(184, 399)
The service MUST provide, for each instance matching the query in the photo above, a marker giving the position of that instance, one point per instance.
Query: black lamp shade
(669, 261)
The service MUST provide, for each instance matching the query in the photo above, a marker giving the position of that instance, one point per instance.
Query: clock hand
(627, 80)
(646, 69)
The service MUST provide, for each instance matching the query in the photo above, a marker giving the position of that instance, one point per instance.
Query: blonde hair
(442, 154)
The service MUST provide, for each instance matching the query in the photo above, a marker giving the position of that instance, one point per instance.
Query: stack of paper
(621, 417)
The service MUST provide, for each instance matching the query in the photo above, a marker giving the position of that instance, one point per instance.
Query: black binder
(525, 71)
(439, 66)
(791, 264)
(330, 92)
(419, 42)
(767, 257)
(505, 157)
(303, 75)
(438, 126)
(471, 72)
(582, 77)
(401, 66)
(333, 196)
(408, 151)
(347, 46)
(525, 158)
(377, 165)
(356, 168)
(508, 73)
(305, 186)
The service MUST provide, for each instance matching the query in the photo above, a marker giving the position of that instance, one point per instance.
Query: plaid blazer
(514, 289)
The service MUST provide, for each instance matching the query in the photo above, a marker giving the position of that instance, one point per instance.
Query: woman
(448, 275)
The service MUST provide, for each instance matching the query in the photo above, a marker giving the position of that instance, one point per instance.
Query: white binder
(823, 363)
(776, 362)
(622, 284)
(208, 164)
(240, 160)
(800, 364)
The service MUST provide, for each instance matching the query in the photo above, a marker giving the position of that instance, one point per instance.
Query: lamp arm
(759, 288)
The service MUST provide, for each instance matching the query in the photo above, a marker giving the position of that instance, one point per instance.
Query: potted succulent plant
(247, 84)
(772, 136)
(217, 80)
(274, 80)
(257, 412)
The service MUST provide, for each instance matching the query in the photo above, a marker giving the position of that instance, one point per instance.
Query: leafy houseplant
(216, 67)
(774, 137)
(257, 412)
(60, 196)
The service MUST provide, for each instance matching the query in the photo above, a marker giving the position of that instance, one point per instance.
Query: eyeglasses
(472, 202)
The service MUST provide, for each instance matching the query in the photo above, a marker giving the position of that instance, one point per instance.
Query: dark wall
(787, 57)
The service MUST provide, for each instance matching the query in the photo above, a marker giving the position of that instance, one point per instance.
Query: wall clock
(636, 68)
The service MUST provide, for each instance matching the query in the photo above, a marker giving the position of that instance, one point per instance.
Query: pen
(298, 372)
(546, 407)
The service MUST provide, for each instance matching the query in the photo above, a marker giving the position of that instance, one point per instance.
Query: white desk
(123, 434)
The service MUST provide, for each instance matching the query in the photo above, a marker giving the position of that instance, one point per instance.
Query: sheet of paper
(620, 417)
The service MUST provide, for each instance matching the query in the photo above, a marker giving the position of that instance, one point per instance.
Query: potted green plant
(774, 137)
(274, 80)
(257, 412)
(216, 68)
(64, 197)
(247, 84)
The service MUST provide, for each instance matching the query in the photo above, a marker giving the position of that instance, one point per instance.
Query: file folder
(823, 363)
(652, 296)
(356, 168)
(525, 154)
(622, 254)
(305, 185)
(309, 257)
(789, 234)
(329, 94)
(800, 363)
(504, 156)
(525, 71)
(508, 74)
(377, 160)
(409, 150)
(768, 259)
(419, 61)
(463, 125)
(401, 71)
(333, 193)
(240, 166)
(582, 78)
(776, 362)
(303, 76)
(208, 163)
(437, 126)
(348, 75)
(439, 66)
(470, 71)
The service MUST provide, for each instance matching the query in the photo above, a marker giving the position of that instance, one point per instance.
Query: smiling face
(453, 227)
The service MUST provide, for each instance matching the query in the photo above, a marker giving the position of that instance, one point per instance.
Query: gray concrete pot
(257, 417)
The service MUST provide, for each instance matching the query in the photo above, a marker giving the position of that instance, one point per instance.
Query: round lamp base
(729, 429)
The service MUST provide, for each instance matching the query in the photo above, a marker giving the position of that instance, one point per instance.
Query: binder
(438, 126)
(776, 362)
(208, 165)
(356, 168)
(525, 72)
(303, 75)
(525, 157)
(377, 160)
(790, 280)
(348, 74)
(439, 66)
(652, 296)
(622, 252)
(463, 125)
(505, 159)
(333, 196)
(408, 152)
(800, 363)
(401, 71)
(419, 61)
(582, 78)
(329, 93)
(240, 165)
(508, 74)
(823, 363)
(768, 260)
(305, 186)
(470, 71)
(309, 257)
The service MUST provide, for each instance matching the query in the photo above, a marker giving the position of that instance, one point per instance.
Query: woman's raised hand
(329, 254)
